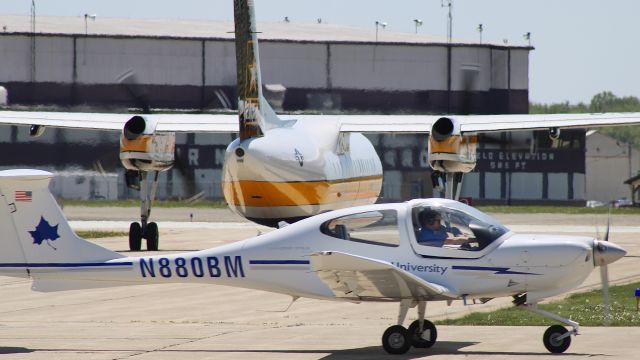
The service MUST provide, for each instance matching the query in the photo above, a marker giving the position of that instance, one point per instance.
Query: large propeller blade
(604, 253)
(604, 278)
(137, 91)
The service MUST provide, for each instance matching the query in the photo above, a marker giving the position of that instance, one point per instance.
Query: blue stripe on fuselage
(496, 270)
(62, 265)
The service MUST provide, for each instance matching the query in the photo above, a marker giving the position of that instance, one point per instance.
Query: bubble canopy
(453, 225)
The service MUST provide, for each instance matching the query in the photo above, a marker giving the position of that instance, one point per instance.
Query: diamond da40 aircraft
(292, 167)
(359, 254)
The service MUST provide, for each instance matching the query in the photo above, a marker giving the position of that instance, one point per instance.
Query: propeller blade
(604, 278)
(137, 91)
(606, 233)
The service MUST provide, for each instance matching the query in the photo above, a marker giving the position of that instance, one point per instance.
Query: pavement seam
(164, 348)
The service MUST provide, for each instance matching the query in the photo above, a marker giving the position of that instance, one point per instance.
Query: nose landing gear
(557, 338)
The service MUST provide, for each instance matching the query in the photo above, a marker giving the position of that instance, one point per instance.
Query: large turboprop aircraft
(410, 253)
(292, 167)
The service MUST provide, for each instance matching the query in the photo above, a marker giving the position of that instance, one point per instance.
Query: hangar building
(187, 64)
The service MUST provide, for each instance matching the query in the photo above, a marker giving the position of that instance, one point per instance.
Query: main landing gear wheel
(135, 236)
(395, 340)
(427, 338)
(551, 341)
(151, 234)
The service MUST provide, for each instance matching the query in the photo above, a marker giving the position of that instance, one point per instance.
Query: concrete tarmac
(190, 321)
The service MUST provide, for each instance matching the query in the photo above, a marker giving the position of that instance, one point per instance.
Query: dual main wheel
(398, 340)
(136, 235)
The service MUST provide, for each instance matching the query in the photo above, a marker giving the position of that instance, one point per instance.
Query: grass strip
(585, 308)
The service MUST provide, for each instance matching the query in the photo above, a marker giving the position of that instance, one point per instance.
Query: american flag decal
(24, 196)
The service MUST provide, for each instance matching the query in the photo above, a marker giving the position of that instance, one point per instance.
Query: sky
(582, 47)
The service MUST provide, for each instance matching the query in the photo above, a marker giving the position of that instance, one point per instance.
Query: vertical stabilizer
(35, 233)
(255, 114)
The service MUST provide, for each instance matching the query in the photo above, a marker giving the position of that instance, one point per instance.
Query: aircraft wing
(477, 123)
(348, 123)
(491, 123)
(360, 278)
(111, 121)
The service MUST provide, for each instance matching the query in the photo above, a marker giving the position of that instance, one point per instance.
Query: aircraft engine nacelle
(449, 150)
(554, 133)
(142, 149)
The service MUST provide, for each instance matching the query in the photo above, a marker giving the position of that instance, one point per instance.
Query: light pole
(378, 25)
(33, 41)
(417, 23)
(527, 36)
(448, 4)
(480, 30)
(86, 18)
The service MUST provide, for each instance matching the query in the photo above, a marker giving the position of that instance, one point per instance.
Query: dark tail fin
(256, 116)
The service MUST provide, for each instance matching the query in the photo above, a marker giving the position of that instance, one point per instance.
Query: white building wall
(155, 61)
(471, 185)
(54, 59)
(15, 57)
(519, 69)
(558, 186)
(470, 63)
(492, 185)
(579, 186)
(220, 67)
(526, 186)
(499, 70)
(392, 184)
(84, 185)
(303, 65)
(389, 67)
(162, 61)
(608, 164)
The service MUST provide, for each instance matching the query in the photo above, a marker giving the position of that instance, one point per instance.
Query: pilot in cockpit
(434, 233)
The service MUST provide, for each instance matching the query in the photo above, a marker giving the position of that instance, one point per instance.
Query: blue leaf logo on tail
(44, 232)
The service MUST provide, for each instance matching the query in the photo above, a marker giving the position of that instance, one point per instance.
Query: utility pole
(448, 4)
(33, 41)
(527, 36)
(417, 23)
(378, 25)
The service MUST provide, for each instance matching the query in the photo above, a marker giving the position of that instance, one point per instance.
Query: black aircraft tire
(135, 236)
(416, 338)
(152, 236)
(552, 343)
(395, 340)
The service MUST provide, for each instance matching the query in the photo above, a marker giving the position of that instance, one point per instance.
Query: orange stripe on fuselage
(265, 194)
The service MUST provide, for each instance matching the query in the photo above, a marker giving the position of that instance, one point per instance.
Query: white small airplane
(366, 253)
(292, 167)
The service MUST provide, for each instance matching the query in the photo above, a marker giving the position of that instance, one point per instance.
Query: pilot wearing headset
(434, 233)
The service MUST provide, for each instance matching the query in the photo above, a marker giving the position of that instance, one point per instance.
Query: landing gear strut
(450, 182)
(422, 333)
(144, 230)
(557, 338)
